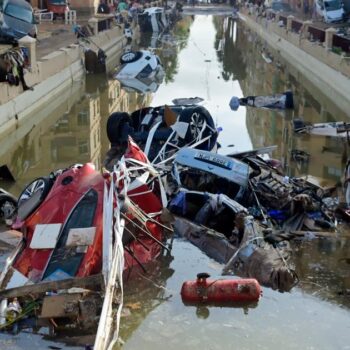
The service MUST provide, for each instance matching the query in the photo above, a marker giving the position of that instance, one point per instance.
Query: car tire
(118, 127)
(7, 203)
(130, 56)
(27, 201)
(195, 117)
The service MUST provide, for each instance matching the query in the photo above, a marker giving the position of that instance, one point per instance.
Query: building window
(83, 118)
(83, 147)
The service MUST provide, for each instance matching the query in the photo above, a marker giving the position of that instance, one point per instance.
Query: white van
(330, 10)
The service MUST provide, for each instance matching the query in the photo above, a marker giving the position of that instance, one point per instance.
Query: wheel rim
(128, 56)
(7, 209)
(196, 124)
(34, 187)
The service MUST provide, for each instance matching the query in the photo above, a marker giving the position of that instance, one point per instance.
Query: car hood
(18, 28)
(336, 14)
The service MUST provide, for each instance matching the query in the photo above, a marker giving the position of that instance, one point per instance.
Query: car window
(332, 5)
(19, 12)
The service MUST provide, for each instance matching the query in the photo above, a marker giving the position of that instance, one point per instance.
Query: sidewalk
(55, 35)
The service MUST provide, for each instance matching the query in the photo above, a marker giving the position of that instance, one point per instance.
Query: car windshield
(19, 12)
(332, 5)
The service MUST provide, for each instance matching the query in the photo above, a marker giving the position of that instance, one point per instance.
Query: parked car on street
(57, 7)
(16, 20)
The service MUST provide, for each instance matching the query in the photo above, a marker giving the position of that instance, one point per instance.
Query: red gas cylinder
(204, 290)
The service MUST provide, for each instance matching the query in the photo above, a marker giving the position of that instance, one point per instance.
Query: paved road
(51, 37)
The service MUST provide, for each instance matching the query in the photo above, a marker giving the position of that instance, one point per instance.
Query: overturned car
(138, 65)
(161, 131)
(153, 19)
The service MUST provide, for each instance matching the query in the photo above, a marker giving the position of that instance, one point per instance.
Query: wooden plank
(94, 282)
(65, 305)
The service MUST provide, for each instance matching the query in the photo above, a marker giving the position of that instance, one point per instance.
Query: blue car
(16, 20)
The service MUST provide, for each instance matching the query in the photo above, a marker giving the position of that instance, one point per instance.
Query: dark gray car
(16, 20)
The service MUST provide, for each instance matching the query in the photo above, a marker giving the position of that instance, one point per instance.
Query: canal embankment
(319, 55)
(52, 74)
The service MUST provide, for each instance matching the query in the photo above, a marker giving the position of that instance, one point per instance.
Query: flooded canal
(214, 58)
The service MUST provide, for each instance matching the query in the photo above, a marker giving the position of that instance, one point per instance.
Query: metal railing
(317, 34)
(342, 42)
(296, 26)
(283, 19)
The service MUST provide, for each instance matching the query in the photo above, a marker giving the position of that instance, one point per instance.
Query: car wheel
(130, 56)
(8, 206)
(118, 128)
(33, 195)
(196, 117)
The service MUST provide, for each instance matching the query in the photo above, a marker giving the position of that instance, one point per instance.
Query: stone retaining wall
(325, 69)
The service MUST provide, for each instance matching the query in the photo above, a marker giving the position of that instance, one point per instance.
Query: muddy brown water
(214, 58)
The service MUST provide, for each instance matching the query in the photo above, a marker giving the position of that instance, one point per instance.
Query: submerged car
(16, 20)
(153, 19)
(254, 182)
(141, 71)
(200, 170)
(138, 66)
(222, 228)
(61, 218)
(161, 131)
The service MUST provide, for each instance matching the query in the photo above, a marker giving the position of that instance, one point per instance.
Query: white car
(139, 65)
(142, 85)
(153, 19)
(330, 10)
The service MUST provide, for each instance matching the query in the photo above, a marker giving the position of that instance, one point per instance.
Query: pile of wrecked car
(162, 177)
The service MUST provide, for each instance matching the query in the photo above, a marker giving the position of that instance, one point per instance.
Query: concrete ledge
(52, 75)
(19, 108)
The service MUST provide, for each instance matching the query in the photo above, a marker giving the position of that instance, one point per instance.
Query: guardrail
(341, 42)
(316, 34)
(325, 45)
(43, 16)
(296, 26)
(283, 19)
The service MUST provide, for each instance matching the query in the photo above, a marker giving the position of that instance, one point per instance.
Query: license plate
(212, 159)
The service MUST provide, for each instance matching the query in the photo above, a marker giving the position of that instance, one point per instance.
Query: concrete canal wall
(328, 71)
(52, 74)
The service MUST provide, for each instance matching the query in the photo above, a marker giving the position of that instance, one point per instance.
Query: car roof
(21, 3)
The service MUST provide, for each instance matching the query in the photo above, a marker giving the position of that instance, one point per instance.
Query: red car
(57, 7)
(61, 217)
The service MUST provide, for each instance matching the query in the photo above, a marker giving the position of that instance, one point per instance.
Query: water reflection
(144, 293)
(323, 268)
(327, 154)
